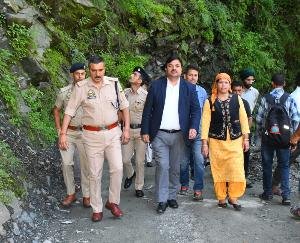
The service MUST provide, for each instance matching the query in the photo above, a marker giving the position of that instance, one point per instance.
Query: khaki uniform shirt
(62, 100)
(99, 106)
(136, 104)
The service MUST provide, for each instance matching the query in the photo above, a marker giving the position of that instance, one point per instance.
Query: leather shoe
(68, 200)
(96, 217)
(139, 193)
(114, 208)
(161, 207)
(86, 202)
(128, 181)
(172, 203)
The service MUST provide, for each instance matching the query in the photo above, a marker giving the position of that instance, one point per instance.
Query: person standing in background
(74, 136)
(136, 97)
(250, 94)
(193, 154)
(237, 88)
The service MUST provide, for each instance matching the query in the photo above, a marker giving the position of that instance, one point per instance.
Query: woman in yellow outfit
(224, 135)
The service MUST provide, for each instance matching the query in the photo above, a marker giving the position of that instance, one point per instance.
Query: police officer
(100, 98)
(74, 133)
(136, 95)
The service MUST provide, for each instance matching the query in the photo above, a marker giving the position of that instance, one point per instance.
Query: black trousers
(247, 159)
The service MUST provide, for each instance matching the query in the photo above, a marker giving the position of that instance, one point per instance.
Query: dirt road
(191, 222)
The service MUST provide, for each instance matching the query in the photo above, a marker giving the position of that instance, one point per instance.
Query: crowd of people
(183, 125)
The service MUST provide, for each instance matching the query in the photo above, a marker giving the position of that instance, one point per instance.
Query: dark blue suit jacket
(188, 108)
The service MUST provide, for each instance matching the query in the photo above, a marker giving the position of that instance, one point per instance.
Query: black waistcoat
(225, 114)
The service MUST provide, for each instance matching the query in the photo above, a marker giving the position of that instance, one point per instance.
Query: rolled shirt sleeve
(74, 102)
(59, 101)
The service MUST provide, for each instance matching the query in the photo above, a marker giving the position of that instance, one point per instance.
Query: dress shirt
(170, 116)
(251, 95)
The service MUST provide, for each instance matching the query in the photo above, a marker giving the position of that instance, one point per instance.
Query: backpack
(277, 131)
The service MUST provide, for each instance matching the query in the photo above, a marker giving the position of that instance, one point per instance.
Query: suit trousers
(98, 145)
(168, 150)
(74, 139)
(138, 147)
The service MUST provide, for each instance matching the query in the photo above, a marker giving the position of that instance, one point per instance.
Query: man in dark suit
(171, 117)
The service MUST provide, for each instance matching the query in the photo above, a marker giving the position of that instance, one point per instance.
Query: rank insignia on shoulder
(69, 95)
(91, 94)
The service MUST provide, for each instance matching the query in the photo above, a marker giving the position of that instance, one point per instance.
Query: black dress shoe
(172, 203)
(161, 208)
(128, 181)
(139, 193)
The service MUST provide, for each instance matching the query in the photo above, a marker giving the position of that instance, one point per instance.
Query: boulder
(4, 44)
(16, 5)
(34, 70)
(85, 3)
(16, 206)
(5, 216)
(41, 39)
(26, 16)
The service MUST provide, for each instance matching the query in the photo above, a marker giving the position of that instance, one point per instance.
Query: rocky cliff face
(38, 42)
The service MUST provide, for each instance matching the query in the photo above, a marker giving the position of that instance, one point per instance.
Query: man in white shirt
(171, 117)
(250, 93)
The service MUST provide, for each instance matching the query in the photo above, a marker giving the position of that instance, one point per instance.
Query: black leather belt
(169, 131)
(135, 126)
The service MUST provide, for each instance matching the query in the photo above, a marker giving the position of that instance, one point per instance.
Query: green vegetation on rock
(218, 35)
(11, 174)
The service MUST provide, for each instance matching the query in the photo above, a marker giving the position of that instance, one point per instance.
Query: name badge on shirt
(91, 94)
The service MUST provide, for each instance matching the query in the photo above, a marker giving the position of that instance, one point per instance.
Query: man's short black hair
(173, 56)
(278, 79)
(192, 67)
(236, 84)
(297, 79)
(94, 59)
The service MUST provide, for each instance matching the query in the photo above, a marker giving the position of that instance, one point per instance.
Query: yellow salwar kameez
(226, 157)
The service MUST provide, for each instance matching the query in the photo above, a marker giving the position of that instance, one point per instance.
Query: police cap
(77, 66)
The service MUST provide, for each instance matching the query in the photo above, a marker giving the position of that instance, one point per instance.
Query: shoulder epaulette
(112, 79)
(66, 88)
(127, 90)
(144, 91)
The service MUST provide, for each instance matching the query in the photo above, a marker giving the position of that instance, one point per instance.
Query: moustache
(97, 77)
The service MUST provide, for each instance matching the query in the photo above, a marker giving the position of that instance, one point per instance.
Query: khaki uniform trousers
(74, 139)
(98, 145)
(137, 146)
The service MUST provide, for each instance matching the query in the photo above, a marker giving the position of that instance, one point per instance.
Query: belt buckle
(103, 128)
(79, 128)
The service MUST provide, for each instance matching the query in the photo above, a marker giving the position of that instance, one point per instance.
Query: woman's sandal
(295, 211)
(222, 205)
(237, 207)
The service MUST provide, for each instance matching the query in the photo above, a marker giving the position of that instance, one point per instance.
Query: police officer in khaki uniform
(101, 99)
(74, 133)
(136, 96)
